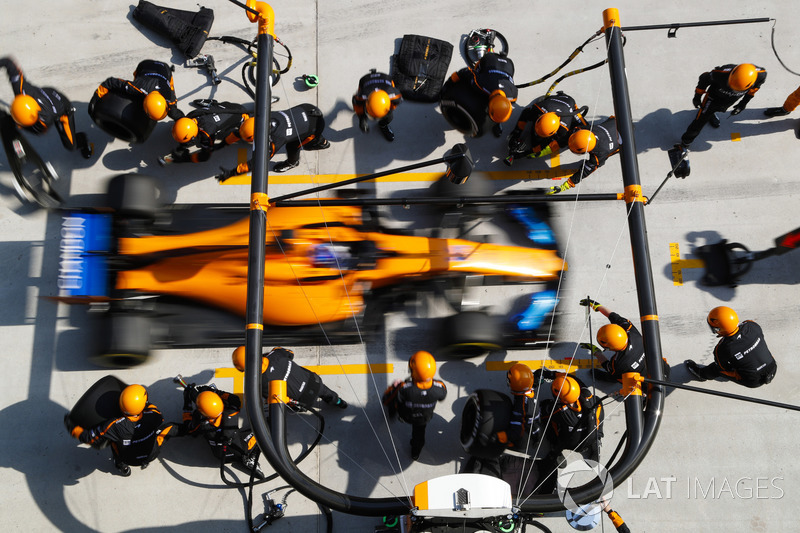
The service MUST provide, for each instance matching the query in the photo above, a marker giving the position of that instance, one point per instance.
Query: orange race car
(177, 275)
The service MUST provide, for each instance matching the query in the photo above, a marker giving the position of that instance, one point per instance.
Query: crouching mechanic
(414, 398)
(135, 437)
(376, 97)
(741, 354)
(302, 385)
(493, 77)
(576, 422)
(601, 141)
(215, 417)
(298, 128)
(35, 109)
(624, 340)
(210, 128)
(554, 119)
(152, 85)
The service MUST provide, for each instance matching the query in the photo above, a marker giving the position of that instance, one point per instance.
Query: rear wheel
(128, 336)
(133, 196)
(470, 334)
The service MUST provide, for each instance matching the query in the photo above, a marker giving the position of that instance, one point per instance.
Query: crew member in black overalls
(302, 385)
(576, 422)
(414, 399)
(601, 141)
(35, 109)
(214, 126)
(152, 85)
(216, 419)
(554, 119)
(376, 97)
(741, 354)
(135, 437)
(719, 89)
(493, 78)
(524, 431)
(298, 128)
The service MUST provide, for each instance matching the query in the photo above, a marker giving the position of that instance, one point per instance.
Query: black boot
(283, 166)
(387, 132)
(775, 112)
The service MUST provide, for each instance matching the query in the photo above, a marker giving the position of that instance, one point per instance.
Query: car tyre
(128, 336)
(486, 413)
(133, 196)
(470, 334)
(121, 117)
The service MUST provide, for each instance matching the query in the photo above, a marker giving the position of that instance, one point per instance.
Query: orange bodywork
(211, 266)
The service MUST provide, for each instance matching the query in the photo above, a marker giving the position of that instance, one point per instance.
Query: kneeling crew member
(35, 109)
(600, 142)
(302, 385)
(577, 416)
(152, 85)
(493, 77)
(216, 419)
(299, 127)
(135, 437)
(209, 129)
(414, 399)
(741, 354)
(376, 97)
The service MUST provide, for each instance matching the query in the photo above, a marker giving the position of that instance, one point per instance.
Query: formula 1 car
(176, 275)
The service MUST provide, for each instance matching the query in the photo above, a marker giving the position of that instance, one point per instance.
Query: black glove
(225, 174)
(514, 142)
(544, 373)
(362, 123)
(737, 109)
(588, 302)
(696, 101)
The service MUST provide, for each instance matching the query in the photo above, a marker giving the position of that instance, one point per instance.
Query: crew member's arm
(14, 74)
(702, 85)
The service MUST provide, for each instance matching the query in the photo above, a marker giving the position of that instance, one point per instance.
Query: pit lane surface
(717, 465)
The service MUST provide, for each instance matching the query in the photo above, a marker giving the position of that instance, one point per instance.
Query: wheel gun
(206, 61)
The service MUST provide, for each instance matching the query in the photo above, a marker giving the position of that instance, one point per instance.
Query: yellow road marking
(679, 264)
(736, 137)
(322, 370)
(305, 179)
(535, 364)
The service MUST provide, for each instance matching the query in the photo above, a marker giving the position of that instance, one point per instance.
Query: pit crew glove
(697, 100)
(737, 109)
(560, 188)
(543, 373)
(591, 347)
(362, 123)
(588, 302)
(225, 174)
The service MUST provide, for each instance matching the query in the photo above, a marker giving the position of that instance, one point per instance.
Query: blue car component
(540, 306)
(85, 243)
(538, 230)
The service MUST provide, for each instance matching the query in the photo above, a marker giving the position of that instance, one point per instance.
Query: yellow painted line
(679, 264)
(322, 370)
(319, 179)
(536, 364)
(555, 160)
(328, 370)
(736, 137)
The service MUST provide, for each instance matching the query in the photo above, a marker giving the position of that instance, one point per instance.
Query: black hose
(775, 51)
(572, 56)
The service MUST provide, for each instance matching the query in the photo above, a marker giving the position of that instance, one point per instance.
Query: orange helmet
(378, 104)
(613, 337)
(132, 400)
(184, 130)
(723, 321)
(25, 110)
(547, 125)
(238, 360)
(155, 105)
(209, 404)
(520, 378)
(582, 141)
(422, 366)
(565, 389)
(742, 77)
(247, 129)
(499, 107)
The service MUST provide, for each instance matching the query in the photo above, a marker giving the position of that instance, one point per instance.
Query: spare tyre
(486, 413)
(121, 117)
(98, 404)
(464, 108)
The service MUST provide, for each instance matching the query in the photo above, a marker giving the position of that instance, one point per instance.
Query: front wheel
(127, 338)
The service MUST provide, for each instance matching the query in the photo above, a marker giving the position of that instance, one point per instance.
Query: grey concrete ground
(716, 465)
